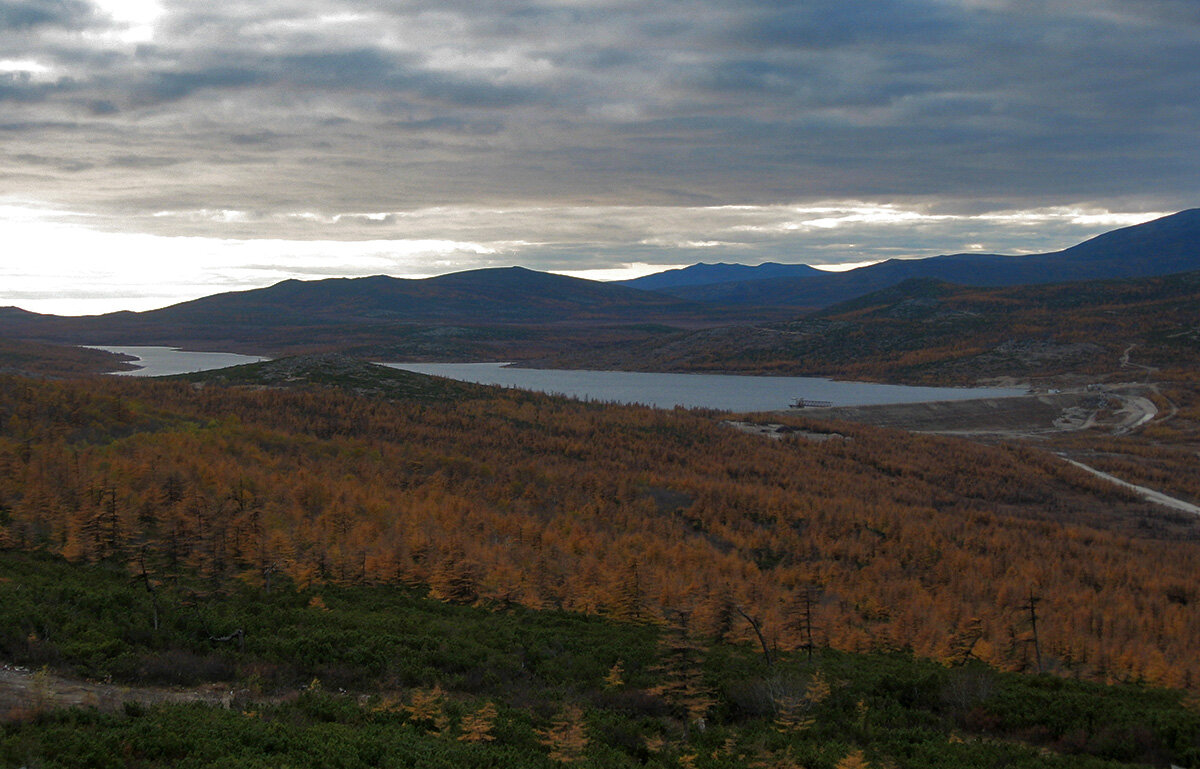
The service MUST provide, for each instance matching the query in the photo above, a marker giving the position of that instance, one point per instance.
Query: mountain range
(511, 303)
(516, 313)
(1160, 247)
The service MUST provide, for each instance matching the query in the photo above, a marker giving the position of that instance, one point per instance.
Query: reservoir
(712, 391)
(164, 361)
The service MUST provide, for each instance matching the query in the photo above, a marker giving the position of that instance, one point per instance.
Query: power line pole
(1031, 607)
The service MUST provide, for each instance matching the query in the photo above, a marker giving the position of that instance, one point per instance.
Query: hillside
(507, 295)
(476, 314)
(49, 360)
(526, 499)
(360, 676)
(1161, 247)
(929, 331)
(313, 561)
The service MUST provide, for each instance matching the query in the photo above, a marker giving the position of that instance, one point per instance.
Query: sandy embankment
(1019, 416)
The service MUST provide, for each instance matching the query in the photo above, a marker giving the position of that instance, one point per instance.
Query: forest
(701, 541)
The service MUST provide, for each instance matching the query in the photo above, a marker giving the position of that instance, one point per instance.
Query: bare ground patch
(24, 693)
(1027, 416)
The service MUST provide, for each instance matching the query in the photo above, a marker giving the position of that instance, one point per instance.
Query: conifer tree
(630, 605)
(567, 736)
(681, 674)
(477, 726)
(426, 709)
(616, 676)
(455, 579)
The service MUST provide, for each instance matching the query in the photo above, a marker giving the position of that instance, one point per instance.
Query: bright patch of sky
(79, 270)
(158, 150)
(83, 268)
(133, 20)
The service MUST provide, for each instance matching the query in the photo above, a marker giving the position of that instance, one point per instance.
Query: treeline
(878, 540)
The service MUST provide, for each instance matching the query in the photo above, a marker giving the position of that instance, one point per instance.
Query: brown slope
(926, 331)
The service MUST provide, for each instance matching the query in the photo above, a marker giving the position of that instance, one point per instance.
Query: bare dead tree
(806, 618)
(754, 623)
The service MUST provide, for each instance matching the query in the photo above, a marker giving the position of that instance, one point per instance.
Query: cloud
(85, 268)
(26, 15)
(763, 101)
(599, 127)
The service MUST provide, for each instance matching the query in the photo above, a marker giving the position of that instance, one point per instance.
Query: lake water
(164, 361)
(714, 391)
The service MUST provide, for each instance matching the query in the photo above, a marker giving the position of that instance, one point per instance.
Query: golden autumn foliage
(426, 708)
(615, 678)
(477, 726)
(567, 736)
(853, 760)
(681, 675)
(899, 541)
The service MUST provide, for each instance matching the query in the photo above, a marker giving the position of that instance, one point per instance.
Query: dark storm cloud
(172, 86)
(28, 15)
(19, 86)
(143, 161)
(343, 106)
(822, 24)
(354, 72)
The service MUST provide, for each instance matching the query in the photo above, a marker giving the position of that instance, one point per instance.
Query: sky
(153, 151)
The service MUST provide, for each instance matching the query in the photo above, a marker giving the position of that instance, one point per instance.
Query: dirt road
(1150, 495)
(1117, 409)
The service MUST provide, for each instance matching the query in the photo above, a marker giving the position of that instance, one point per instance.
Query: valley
(314, 560)
(314, 541)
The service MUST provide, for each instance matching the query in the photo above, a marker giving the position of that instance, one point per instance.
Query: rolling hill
(56, 361)
(506, 295)
(507, 312)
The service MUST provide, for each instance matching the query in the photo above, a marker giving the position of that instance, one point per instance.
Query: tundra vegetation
(386, 569)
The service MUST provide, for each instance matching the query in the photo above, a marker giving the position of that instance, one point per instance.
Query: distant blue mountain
(704, 274)
(1161, 247)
